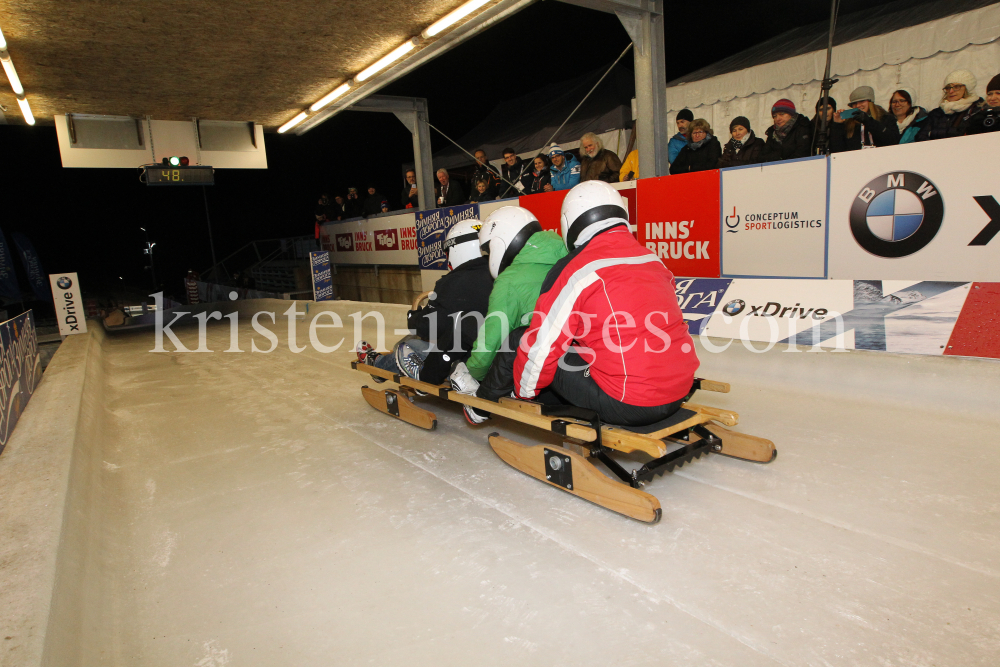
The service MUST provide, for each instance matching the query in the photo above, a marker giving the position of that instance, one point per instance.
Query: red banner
(547, 206)
(678, 219)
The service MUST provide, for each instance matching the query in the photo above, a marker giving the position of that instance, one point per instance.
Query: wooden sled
(687, 434)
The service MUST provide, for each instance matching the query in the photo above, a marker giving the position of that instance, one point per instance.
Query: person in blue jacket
(565, 169)
(680, 140)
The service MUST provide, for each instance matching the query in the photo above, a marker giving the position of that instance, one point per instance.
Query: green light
(175, 161)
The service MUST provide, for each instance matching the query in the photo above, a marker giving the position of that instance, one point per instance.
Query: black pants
(569, 387)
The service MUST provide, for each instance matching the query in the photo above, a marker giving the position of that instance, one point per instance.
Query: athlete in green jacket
(516, 288)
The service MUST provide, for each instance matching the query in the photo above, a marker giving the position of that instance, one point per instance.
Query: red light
(185, 162)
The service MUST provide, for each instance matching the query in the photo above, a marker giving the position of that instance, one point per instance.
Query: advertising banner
(699, 298)
(678, 220)
(887, 315)
(32, 266)
(10, 290)
(68, 303)
(384, 240)
(977, 330)
(432, 226)
(921, 210)
(22, 370)
(774, 219)
(322, 279)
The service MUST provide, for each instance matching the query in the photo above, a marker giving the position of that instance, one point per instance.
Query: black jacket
(837, 135)
(487, 173)
(478, 196)
(373, 204)
(522, 168)
(986, 119)
(454, 197)
(749, 153)
(703, 159)
(539, 182)
(871, 132)
(797, 144)
(941, 125)
(352, 207)
(406, 198)
(464, 290)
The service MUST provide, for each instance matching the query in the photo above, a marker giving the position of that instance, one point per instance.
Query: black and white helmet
(591, 207)
(504, 234)
(462, 243)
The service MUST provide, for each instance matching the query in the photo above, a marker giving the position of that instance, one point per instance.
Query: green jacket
(514, 294)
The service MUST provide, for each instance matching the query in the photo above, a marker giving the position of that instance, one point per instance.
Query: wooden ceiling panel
(177, 59)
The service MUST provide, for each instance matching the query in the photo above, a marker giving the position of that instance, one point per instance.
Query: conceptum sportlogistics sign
(69, 307)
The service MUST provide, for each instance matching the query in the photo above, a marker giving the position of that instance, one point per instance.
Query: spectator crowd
(862, 124)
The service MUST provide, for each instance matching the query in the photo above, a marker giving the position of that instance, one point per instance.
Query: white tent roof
(924, 40)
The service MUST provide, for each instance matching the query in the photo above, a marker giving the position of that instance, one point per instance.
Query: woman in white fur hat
(959, 102)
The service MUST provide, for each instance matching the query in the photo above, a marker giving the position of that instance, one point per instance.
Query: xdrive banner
(68, 302)
(433, 226)
(929, 210)
(22, 370)
(774, 219)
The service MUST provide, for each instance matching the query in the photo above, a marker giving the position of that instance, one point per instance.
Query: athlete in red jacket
(607, 333)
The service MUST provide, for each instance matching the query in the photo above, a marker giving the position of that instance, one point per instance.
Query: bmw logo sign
(896, 214)
(734, 307)
(64, 282)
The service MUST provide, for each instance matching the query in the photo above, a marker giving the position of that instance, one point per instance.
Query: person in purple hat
(790, 136)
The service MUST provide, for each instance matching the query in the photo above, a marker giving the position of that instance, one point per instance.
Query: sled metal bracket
(354, 365)
(687, 453)
(392, 403)
(558, 468)
(624, 475)
(443, 392)
(558, 426)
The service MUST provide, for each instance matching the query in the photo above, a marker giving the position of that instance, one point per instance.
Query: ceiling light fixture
(29, 118)
(343, 88)
(453, 18)
(292, 123)
(398, 53)
(8, 67)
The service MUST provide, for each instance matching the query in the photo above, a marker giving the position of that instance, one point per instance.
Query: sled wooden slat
(727, 417)
(588, 482)
(743, 446)
(624, 441)
(715, 385)
(404, 408)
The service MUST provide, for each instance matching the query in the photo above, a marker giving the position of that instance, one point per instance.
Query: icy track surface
(256, 511)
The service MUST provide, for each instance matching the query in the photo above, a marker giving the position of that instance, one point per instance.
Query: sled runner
(684, 436)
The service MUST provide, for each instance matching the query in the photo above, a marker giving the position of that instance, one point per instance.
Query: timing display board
(165, 175)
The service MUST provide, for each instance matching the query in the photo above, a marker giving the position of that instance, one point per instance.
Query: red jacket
(618, 299)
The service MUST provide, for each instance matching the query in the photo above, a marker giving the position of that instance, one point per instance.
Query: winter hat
(862, 93)
(963, 77)
(830, 102)
(783, 105)
(994, 84)
(685, 114)
(739, 120)
(907, 93)
(556, 149)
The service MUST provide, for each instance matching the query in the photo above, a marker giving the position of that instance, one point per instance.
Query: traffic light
(175, 161)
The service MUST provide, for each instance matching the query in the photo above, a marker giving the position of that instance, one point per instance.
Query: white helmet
(504, 233)
(591, 207)
(462, 243)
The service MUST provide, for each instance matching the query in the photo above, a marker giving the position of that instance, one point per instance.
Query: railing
(254, 254)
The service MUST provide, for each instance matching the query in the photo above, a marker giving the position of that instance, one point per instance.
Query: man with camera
(987, 119)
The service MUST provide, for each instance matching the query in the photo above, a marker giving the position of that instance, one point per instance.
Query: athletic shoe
(367, 355)
(410, 363)
(474, 416)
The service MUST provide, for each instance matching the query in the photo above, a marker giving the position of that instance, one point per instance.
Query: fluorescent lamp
(386, 61)
(453, 18)
(3, 42)
(15, 82)
(26, 111)
(292, 123)
(331, 97)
